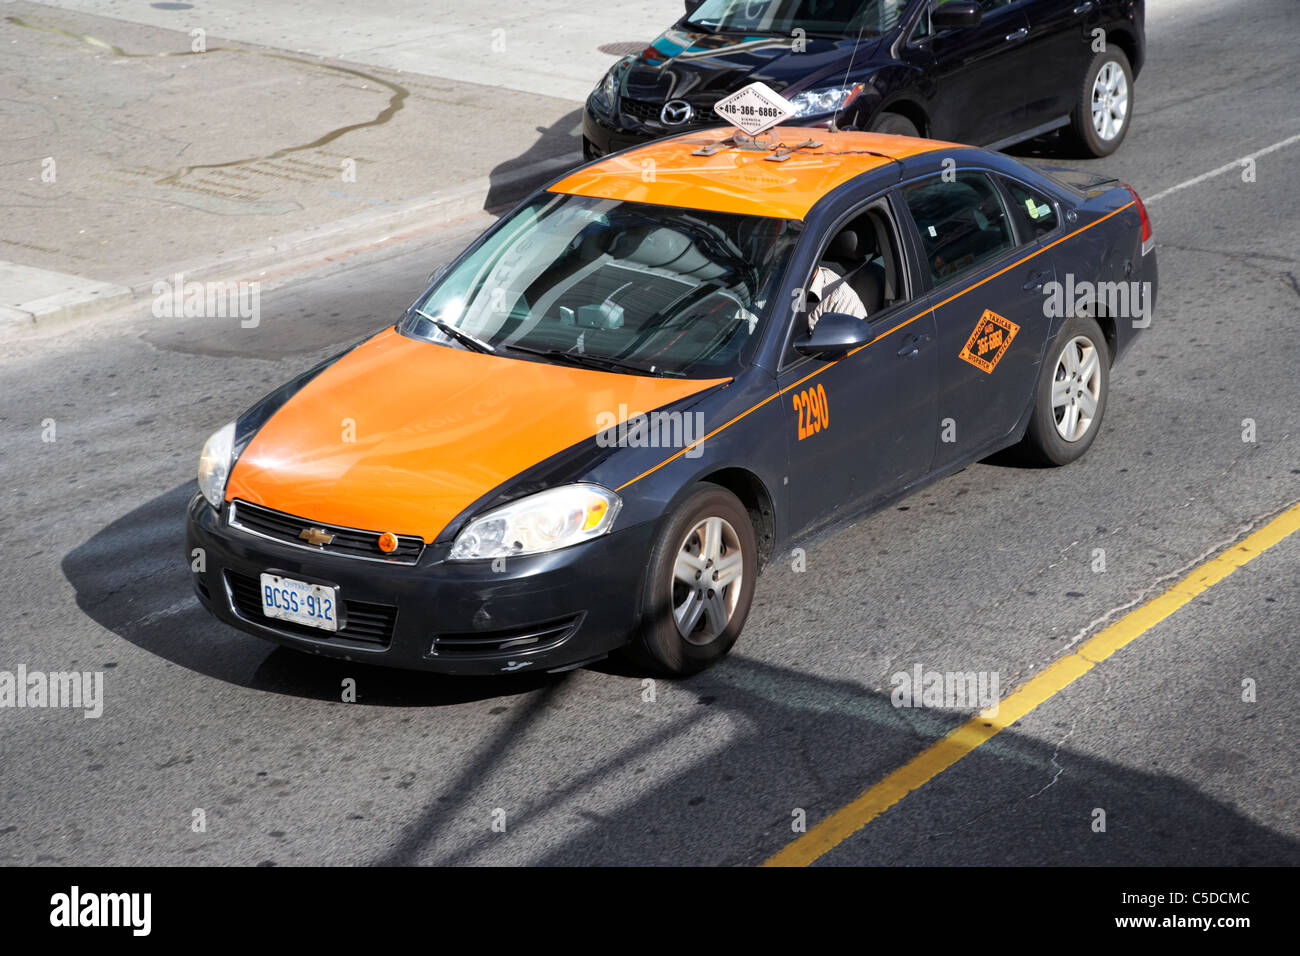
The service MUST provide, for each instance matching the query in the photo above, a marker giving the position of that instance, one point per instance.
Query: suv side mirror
(836, 335)
(956, 15)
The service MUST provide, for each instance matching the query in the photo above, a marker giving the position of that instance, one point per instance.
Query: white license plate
(312, 604)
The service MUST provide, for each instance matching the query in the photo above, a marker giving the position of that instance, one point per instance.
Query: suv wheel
(1104, 105)
(895, 124)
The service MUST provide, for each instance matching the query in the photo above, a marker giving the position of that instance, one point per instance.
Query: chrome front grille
(349, 542)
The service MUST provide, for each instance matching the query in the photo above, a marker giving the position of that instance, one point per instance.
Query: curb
(280, 257)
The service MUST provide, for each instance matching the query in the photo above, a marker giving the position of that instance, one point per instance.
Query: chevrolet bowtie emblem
(317, 536)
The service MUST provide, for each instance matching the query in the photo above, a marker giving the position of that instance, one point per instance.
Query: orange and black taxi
(595, 426)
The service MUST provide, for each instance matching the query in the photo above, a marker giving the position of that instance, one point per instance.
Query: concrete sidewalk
(128, 156)
(549, 47)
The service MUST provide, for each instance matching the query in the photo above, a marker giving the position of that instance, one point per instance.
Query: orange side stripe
(882, 335)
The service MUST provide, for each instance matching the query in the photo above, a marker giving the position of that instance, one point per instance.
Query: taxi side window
(963, 223)
(1035, 212)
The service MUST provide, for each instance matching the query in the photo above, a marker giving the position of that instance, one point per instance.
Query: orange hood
(401, 435)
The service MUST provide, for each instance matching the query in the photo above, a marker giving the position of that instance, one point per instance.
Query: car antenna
(835, 127)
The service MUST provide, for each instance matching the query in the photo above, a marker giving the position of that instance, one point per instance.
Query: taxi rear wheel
(699, 584)
(1071, 396)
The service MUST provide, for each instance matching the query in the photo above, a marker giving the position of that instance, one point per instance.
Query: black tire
(895, 124)
(1043, 442)
(1084, 132)
(658, 643)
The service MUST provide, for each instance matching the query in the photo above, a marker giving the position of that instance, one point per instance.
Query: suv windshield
(837, 17)
(610, 284)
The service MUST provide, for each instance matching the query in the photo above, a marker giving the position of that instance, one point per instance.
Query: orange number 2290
(813, 410)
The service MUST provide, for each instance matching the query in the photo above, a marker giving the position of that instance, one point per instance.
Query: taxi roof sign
(754, 108)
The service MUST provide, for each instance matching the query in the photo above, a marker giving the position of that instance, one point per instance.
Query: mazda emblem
(676, 112)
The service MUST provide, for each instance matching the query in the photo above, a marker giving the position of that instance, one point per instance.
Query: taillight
(1148, 236)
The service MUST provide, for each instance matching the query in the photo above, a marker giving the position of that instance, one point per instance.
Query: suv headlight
(546, 521)
(607, 89)
(214, 464)
(828, 100)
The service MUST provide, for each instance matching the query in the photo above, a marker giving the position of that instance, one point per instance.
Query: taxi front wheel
(699, 584)
(1071, 397)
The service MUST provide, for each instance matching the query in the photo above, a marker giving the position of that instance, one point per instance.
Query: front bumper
(605, 133)
(539, 612)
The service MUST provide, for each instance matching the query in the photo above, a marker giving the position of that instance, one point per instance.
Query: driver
(829, 286)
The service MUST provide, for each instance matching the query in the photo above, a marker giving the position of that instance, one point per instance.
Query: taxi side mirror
(836, 335)
(956, 15)
(692, 6)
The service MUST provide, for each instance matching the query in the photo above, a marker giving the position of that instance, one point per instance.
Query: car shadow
(132, 577)
(1014, 457)
(1056, 145)
(771, 740)
(513, 180)
(805, 742)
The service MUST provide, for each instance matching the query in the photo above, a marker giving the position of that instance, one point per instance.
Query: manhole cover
(621, 49)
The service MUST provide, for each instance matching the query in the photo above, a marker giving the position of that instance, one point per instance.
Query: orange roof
(741, 181)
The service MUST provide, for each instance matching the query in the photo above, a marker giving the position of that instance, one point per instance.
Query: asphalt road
(990, 570)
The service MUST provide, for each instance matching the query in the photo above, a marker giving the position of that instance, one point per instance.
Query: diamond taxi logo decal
(989, 342)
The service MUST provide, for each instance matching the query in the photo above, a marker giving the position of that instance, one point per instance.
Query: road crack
(1157, 586)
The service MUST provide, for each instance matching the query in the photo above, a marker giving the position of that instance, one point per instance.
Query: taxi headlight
(828, 100)
(548, 520)
(214, 464)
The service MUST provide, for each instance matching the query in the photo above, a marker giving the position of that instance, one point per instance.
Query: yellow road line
(942, 754)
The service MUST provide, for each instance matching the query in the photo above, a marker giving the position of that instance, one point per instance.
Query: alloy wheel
(1076, 388)
(1109, 100)
(707, 576)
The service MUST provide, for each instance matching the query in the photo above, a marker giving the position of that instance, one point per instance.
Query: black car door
(1059, 47)
(860, 428)
(988, 300)
(975, 77)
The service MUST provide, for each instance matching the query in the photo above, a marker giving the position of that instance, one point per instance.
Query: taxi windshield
(656, 290)
(834, 17)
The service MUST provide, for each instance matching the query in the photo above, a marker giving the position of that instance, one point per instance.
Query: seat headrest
(654, 246)
(843, 246)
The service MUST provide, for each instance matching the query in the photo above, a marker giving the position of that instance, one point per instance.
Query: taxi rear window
(1034, 210)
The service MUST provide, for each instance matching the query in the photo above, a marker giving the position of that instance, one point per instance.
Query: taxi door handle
(912, 346)
(1018, 35)
(1035, 282)
(1082, 8)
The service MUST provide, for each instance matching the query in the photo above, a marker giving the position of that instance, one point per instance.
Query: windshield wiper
(460, 335)
(587, 361)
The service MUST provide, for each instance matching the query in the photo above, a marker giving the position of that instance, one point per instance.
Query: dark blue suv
(985, 72)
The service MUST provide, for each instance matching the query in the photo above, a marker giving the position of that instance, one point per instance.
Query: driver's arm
(842, 298)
